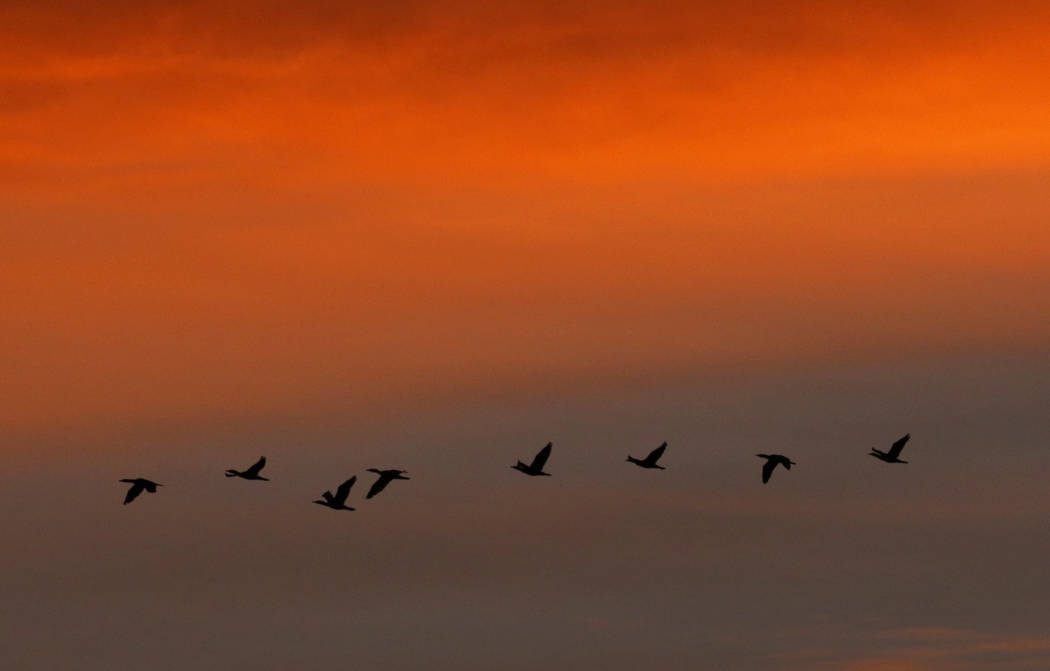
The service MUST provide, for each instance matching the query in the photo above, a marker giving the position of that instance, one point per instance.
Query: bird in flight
(772, 460)
(338, 502)
(650, 461)
(385, 476)
(251, 473)
(893, 456)
(138, 485)
(536, 467)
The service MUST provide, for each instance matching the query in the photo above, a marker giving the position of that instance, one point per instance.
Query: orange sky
(176, 96)
(247, 200)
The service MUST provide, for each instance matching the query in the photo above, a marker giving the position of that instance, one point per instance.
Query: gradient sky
(438, 235)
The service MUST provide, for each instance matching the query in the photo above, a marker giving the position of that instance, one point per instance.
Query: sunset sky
(435, 236)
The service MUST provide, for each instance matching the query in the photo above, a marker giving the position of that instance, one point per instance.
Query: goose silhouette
(536, 467)
(650, 461)
(251, 473)
(385, 478)
(772, 460)
(338, 501)
(139, 485)
(893, 456)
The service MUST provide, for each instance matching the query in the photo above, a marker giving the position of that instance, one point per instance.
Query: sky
(436, 236)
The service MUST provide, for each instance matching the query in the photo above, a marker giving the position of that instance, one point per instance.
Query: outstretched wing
(767, 470)
(656, 454)
(344, 489)
(541, 458)
(895, 449)
(256, 467)
(133, 492)
(378, 486)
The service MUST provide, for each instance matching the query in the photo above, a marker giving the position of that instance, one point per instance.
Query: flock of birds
(337, 501)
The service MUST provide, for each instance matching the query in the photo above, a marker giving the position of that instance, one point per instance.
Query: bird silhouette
(650, 461)
(385, 477)
(893, 456)
(772, 460)
(250, 473)
(536, 467)
(338, 502)
(138, 485)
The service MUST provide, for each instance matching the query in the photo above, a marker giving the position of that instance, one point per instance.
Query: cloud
(949, 649)
(150, 97)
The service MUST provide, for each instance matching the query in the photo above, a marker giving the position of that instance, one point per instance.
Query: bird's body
(538, 462)
(650, 461)
(772, 461)
(139, 485)
(385, 477)
(338, 501)
(893, 456)
(251, 473)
